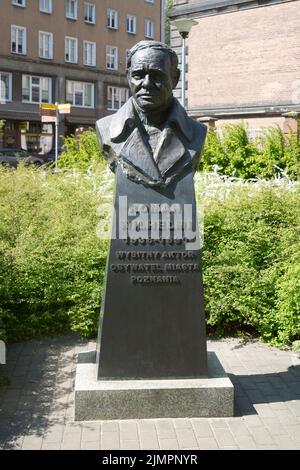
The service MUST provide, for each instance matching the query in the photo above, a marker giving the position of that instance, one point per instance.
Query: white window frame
(110, 16)
(129, 18)
(69, 10)
(41, 46)
(68, 39)
(40, 89)
(43, 6)
(3, 99)
(83, 93)
(88, 5)
(146, 28)
(86, 45)
(114, 55)
(19, 3)
(119, 100)
(24, 44)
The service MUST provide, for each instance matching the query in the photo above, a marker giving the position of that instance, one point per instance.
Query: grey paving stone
(224, 437)
(268, 447)
(40, 401)
(286, 416)
(71, 441)
(110, 440)
(90, 445)
(110, 426)
(264, 410)
(147, 426)
(294, 407)
(229, 448)
(285, 443)
(182, 423)
(245, 442)
(218, 423)
(165, 429)
(149, 441)
(238, 427)
(261, 436)
(202, 428)
(32, 443)
(186, 438)
(255, 396)
(91, 432)
(274, 426)
(54, 433)
(294, 431)
(129, 430)
(130, 444)
(207, 443)
(168, 444)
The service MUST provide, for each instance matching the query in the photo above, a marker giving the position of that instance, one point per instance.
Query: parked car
(12, 157)
(50, 157)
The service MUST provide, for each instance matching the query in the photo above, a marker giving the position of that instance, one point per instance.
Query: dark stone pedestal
(152, 319)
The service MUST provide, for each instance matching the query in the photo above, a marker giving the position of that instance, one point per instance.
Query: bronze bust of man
(151, 137)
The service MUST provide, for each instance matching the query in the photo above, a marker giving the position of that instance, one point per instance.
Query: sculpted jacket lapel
(137, 153)
(129, 145)
(169, 150)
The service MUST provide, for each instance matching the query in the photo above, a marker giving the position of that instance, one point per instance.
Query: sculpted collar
(123, 122)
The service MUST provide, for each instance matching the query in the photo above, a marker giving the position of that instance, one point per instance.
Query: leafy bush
(52, 263)
(251, 259)
(81, 152)
(235, 153)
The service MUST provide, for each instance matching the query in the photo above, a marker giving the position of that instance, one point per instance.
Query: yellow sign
(48, 106)
(64, 108)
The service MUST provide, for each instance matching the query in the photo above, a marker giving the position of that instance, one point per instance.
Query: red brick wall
(249, 57)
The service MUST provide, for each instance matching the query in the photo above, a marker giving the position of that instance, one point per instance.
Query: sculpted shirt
(149, 155)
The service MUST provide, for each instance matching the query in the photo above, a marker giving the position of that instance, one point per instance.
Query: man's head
(152, 71)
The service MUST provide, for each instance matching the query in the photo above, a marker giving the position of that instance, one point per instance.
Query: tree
(168, 6)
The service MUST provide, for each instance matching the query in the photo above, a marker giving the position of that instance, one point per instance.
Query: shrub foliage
(52, 263)
(235, 153)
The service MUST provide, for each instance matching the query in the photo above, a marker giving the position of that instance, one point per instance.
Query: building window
(45, 45)
(149, 29)
(71, 50)
(19, 3)
(112, 18)
(131, 24)
(5, 87)
(71, 9)
(36, 89)
(89, 53)
(116, 97)
(89, 13)
(112, 57)
(80, 94)
(46, 6)
(18, 39)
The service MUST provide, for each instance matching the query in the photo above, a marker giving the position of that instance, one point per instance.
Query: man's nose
(146, 81)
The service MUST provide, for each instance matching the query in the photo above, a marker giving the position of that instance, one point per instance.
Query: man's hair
(152, 45)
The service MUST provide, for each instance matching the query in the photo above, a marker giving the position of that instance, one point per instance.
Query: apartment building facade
(66, 51)
(243, 60)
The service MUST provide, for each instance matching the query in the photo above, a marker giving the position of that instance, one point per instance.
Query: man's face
(150, 79)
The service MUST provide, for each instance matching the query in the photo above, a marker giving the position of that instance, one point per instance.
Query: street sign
(48, 118)
(64, 108)
(48, 106)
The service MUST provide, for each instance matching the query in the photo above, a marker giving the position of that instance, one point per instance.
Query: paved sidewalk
(36, 410)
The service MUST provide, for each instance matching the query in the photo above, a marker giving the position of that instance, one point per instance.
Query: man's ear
(176, 76)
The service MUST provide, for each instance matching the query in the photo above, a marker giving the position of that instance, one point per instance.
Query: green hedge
(52, 262)
(235, 153)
